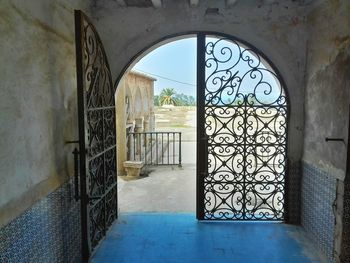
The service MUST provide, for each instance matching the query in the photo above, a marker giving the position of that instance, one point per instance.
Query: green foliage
(156, 100)
(185, 100)
(168, 96)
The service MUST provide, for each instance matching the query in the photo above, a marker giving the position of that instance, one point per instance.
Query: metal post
(134, 150)
(151, 148)
(85, 239)
(76, 174)
(180, 149)
(168, 146)
(140, 146)
(145, 148)
(162, 148)
(156, 148)
(173, 147)
(201, 158)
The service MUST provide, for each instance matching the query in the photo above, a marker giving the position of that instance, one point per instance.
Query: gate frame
(202, 34)
(85, 200)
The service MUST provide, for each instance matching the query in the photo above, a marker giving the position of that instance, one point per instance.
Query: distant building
(135, 111)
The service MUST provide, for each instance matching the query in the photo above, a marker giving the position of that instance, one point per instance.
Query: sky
(176, 61)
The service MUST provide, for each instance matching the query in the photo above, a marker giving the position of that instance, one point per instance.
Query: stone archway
(269, 159)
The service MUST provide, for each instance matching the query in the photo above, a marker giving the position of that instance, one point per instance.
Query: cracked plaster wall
(328, 97)
(37, 100)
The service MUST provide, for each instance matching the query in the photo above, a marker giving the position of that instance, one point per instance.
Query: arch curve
(183, 35)
(242, 118)
(247, 126)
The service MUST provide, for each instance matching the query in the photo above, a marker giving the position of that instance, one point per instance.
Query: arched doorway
(241, 130)
(166, 183)
(241, 133)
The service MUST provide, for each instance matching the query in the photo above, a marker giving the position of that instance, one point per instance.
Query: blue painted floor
(172, 237)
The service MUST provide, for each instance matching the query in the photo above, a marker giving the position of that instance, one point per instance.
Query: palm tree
(167, 97)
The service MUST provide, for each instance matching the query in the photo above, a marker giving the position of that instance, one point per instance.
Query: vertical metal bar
(151, 148)
(134, 149)
(180, 149)
(287, 186)
(162, 148)
(168, 146)
(140, 147)
(76, 174)
(145, 147)
(346, 211)
(78, 17)
(245, 118)
(201, 156)
(173, 147)
(156, 148)
(136, 146)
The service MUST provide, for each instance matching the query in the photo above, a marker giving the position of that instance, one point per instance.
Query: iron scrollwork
(246, 129)
(100, 135)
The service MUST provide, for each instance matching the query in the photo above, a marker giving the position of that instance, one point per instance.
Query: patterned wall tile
(47, 232)
(50, 230)
(293, 193)
(317, 196)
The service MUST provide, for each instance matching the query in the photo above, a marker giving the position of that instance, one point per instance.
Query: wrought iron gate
(97, 135)
(242, 133)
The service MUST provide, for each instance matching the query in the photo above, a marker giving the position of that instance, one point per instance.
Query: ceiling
(228, 3)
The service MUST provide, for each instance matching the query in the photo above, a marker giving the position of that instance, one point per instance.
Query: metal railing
(155, 148)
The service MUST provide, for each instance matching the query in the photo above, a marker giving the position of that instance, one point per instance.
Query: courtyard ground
(166, 188)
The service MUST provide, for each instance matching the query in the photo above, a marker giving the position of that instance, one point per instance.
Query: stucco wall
(276, 29)
(37, 100)
(38, 94)
(328, 91)
(38, 74)
(38, 86)
(327, 101)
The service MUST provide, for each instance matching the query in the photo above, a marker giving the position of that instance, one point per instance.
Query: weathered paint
(38, 89)
(278, 30)
(328, 97)
(37, 100)
(38, 105)
(326, 115)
